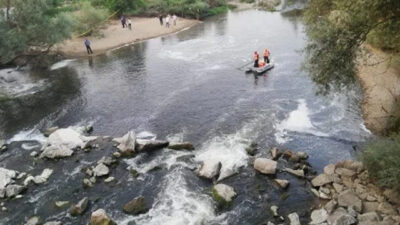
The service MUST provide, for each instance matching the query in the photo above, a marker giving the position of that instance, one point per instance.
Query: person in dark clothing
(88, 48)
(123, 21)
(160, 17)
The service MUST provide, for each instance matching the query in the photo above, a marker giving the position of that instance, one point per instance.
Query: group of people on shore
(126, 23)
(168, 19)
(256, 58)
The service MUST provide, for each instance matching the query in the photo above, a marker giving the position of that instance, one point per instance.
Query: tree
(31, 30)
(337, 28)
(124, 5)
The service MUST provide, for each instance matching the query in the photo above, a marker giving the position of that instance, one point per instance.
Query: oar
(248, 63)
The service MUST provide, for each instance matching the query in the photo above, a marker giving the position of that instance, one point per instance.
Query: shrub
(382, 159)
(88, 18)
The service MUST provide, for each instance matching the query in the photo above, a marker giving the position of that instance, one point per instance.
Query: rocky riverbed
(344, 194)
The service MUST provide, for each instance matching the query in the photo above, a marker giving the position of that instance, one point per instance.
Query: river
(185, 86)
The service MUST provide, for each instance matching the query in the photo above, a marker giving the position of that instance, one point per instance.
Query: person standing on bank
(167, 19)
(129, 24)
(160, 17)
(123, 21)
(174, 18)
(88, 48)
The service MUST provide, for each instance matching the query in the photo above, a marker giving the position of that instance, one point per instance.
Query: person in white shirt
(174, 18)
(167, 21)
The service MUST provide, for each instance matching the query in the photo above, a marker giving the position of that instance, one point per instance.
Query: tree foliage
(337, 28)
(31, 30)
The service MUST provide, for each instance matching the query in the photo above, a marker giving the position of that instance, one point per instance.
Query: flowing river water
(185, 86)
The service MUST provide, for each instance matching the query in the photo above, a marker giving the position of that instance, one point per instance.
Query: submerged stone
(223, 194)
(136, 206)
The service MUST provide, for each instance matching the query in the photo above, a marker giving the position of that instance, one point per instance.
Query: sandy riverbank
(381, 89)
(113, 36)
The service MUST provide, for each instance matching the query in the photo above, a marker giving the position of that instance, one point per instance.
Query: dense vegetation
(382, 159)
(337, 28)
(32, 27)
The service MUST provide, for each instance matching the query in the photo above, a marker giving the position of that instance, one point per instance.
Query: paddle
(248, 63)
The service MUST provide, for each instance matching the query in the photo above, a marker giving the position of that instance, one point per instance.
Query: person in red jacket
(266, 56)
(256, 57)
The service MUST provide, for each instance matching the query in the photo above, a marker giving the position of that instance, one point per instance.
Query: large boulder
(223, 194)
(150, 145)
(55, 152)
(13, 190)
(294, 219)
(265, 166)
(101, 170)
(181, 146)
(6, 177)
(127, 143)
(319, 216)
(349, 198)
(99, 217)
(62, 142)
(210, 169)
(79, 208)
(330, 169)
(321, 180)
(136, 206)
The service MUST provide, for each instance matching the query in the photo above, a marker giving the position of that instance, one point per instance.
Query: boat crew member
(266, 56)
(256, 58)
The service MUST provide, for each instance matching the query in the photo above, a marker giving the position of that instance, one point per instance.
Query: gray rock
(265, 166)
(99, 217)
(336, 214)
(13, 190)
(109, 180)
(302, 155)
(210, 169)
(330, 169)
(61, 204)
(79, 208)
(297, 173)
(34, 154)
(294, 219)
(150, 145)
(55, 152)
(330, 206)
(181, 146)
(345, 220)
(345, 172)
(87, 183)
(274, 210)
(321, 180)
(387, 208)
(370, 206)
(49, 131)
(53, 223)
(352, 212)
(392, 196)
(42, 178)
(6, 177)
(282, 183)
(225, 191)
(319, 216)
(106, 160)
(338, 187)
(101, 170)
(33, 221)
(275, 153)
(136, 206)
(349, 198)
(369, 217)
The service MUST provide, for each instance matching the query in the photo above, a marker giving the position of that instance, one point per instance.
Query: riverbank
(112, 35)
(380, 85)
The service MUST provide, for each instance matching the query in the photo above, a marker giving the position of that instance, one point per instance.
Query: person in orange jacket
(256, 57)
(266, 56)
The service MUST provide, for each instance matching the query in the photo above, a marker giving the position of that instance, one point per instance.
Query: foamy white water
(176, 204)
(28, 135)
(61, 64)
(297, 121)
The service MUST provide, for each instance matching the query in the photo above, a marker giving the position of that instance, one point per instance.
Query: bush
(88, 18)
(382, 159)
